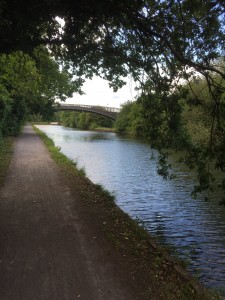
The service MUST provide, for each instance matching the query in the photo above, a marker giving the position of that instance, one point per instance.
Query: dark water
(124, 166)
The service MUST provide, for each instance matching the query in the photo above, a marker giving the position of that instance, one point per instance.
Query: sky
(98, 92)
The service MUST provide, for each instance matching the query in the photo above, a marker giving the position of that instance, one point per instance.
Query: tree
(131, 119)
(55, 84)
(186, 127)
(120, 36)
(18, 80)
(30, 86)
(203, 118)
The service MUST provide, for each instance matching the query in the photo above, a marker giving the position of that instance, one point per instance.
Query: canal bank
(62, 237)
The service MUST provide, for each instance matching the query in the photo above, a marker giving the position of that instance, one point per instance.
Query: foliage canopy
(115, 37)
(30, 85)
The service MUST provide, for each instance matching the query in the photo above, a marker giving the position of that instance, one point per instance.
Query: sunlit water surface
(124, 166)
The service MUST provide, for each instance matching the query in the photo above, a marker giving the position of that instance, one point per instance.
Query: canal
(193, 227)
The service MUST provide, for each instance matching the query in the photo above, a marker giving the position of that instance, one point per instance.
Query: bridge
(109, 112)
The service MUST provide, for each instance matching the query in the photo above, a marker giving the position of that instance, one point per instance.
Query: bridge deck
(109, 112)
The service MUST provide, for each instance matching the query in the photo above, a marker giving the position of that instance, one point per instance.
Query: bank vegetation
(185, 121)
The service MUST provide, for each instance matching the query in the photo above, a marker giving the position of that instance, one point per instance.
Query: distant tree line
(83, 120)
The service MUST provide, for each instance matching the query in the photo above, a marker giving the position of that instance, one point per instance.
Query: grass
(152, 265)
(68, 164)
(105, 129)
(6, 152)
(104, 192)
(40, 123)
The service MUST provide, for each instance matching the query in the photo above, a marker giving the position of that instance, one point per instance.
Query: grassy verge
(64, 162)
(105, 129)
(159, 275)
(6, 152)
(40, 123)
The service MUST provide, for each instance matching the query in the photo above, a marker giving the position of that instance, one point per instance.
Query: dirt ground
(47, 248)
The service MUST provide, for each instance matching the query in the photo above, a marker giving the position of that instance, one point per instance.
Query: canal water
(124, 166)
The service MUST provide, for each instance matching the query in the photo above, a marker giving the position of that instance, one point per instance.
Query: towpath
(47, 249)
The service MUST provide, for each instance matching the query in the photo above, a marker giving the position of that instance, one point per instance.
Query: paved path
(45, 250)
